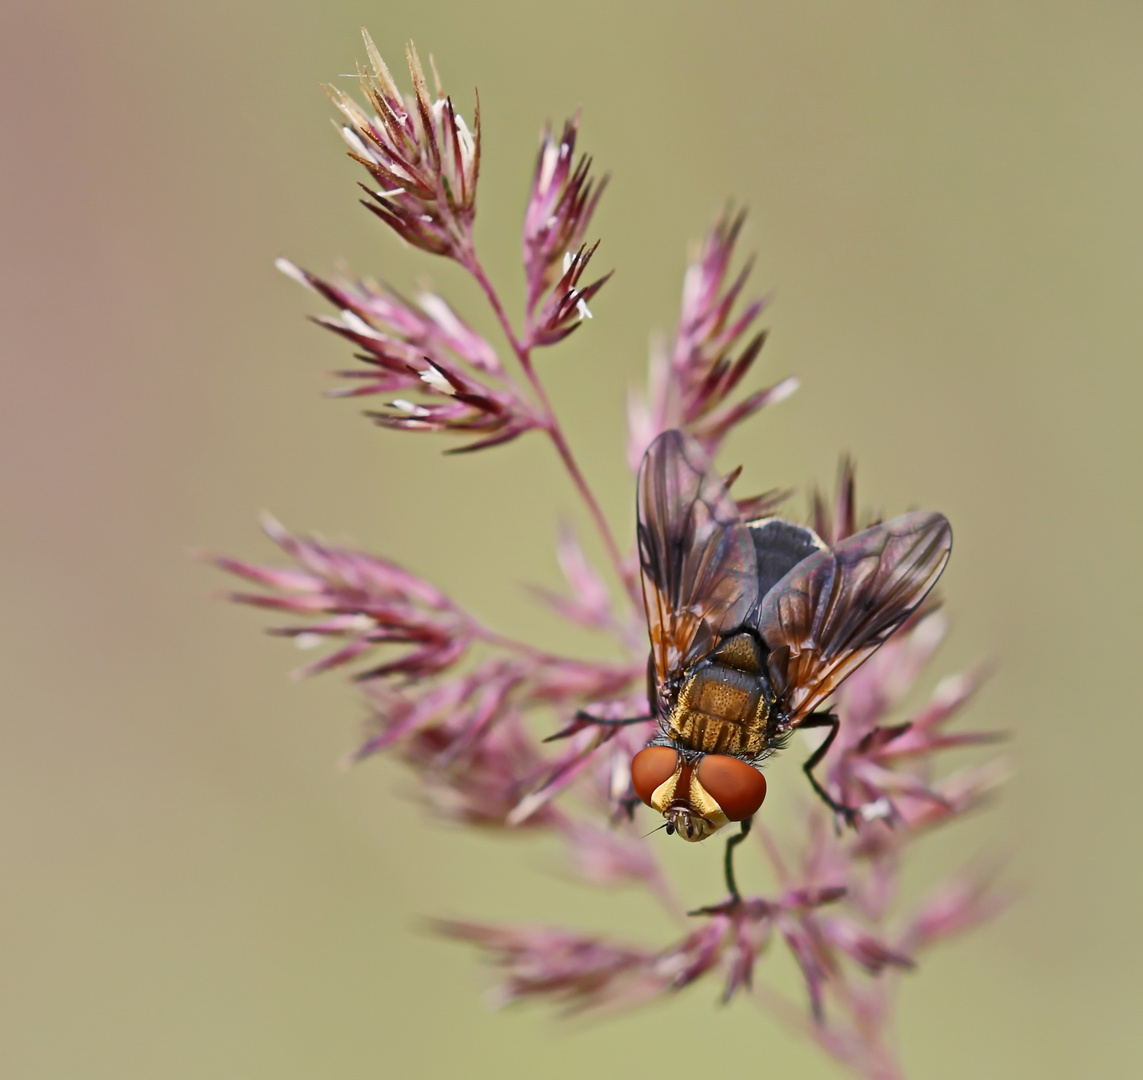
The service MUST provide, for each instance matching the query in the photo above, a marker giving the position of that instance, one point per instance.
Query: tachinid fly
(753, 625)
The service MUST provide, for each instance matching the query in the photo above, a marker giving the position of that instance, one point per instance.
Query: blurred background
(945, 199)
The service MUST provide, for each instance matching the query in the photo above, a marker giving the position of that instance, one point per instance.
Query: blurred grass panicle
(452, 701)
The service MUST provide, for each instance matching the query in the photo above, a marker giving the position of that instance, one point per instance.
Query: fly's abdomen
(720, 710)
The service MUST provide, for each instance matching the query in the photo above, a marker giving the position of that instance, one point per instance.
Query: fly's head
(697, 794)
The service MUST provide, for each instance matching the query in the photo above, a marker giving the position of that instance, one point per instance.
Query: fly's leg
(728, 866)
(583, 719)
(587, 718)
(728, 863)
(818, 720)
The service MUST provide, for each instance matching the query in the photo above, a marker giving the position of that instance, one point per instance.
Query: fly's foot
(731, 907)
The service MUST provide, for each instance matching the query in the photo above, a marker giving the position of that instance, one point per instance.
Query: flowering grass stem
(451, 697)
(551, 425)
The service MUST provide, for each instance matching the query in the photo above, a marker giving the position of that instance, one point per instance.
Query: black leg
(728, 866)
(583, 719)
(817, 720)
(587, 718)
(731, 844)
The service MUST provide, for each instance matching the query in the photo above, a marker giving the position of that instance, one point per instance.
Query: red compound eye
(652, 766)
(737, 787)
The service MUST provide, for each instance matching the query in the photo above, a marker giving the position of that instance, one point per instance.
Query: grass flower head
(452, 697)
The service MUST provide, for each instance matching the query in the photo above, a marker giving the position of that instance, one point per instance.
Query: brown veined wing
(833, 610)
(696, 555)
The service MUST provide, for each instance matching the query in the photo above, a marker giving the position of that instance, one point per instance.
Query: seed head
(422, 158)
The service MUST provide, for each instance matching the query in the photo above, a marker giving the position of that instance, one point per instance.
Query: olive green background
(946, 199)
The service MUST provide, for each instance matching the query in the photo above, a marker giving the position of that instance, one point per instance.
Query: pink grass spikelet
(560, 208)
(691, 384)
(428, 351)
(566, 308)
(421, 156)
(394, 325)
(362, 599)
(504, 734)
(588, 602)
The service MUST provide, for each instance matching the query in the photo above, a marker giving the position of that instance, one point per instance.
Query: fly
(753, 626)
